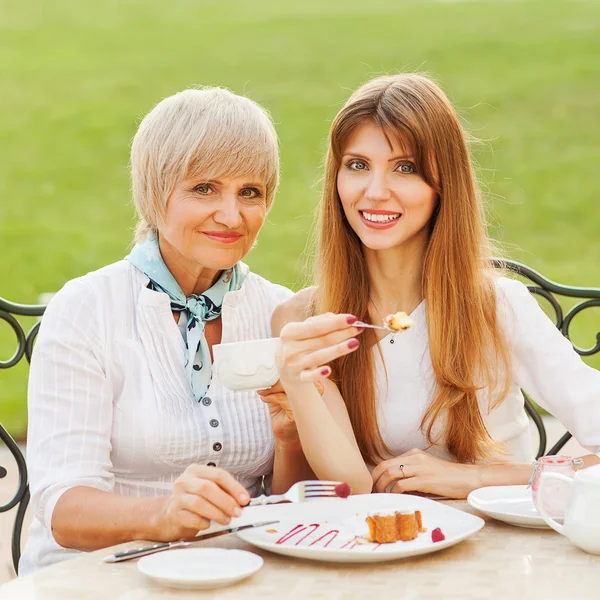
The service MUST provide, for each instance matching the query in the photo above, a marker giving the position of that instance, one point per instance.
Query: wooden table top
(500, 561)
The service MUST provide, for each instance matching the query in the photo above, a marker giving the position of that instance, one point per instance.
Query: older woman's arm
(69, 444)
(88, 519)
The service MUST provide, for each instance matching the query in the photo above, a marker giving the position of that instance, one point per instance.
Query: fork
(382, 327)
(300, 492)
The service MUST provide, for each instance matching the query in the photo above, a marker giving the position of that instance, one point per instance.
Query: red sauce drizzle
(354, 541)
(295, 531)
(310, 529)
(335, 533)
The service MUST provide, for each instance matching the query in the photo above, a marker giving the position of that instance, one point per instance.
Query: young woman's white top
(111, 407)
(544, 365)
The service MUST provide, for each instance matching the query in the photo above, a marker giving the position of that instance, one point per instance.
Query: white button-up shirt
(110, 404)
(543, 364)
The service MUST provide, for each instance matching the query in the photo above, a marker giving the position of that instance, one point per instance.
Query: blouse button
(217, 446)
(211, 464)
(206, 401)
(213, 423)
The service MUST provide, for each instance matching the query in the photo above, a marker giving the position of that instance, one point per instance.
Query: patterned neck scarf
(194, 310)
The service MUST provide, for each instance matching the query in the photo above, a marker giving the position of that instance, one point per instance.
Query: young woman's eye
(203, 188)
(406, 168)
(250, 193)
(357, 165)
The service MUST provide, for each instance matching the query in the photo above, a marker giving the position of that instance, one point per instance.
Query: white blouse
(110, 405)
(544, 365)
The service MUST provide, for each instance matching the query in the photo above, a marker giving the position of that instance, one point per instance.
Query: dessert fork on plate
(304, 491)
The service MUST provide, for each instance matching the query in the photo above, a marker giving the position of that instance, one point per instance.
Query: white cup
(582, 517)
(249, 365)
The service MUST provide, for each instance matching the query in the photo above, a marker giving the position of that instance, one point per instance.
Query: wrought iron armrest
(548, 289)
(24, 341)
(24, 348)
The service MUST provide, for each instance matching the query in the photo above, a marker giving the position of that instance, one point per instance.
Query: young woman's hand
(200, 495)
(282, 415)
(417, 471)
(307, 348)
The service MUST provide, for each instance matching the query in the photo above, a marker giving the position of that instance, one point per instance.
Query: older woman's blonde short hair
(210, 132)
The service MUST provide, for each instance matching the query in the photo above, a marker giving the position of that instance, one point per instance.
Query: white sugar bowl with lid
(582, 517)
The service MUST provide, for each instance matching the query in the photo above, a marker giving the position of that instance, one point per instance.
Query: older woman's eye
(203, 188)
(250, 193)
(406, 168)
(357, 165)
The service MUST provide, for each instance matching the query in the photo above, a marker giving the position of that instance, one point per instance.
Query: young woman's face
(213, 224)
(385, 200)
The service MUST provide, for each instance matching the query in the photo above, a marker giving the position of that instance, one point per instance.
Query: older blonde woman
(130, 436)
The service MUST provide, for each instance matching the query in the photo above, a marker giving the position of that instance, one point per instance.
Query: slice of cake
(398, 321)
(394, 527)
(382, 528)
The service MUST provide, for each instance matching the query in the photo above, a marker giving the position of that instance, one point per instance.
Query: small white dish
(334, 529)
(249, 365)
(512, 504)
(199, 568)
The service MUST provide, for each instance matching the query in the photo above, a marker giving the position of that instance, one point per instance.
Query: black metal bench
(537, 284)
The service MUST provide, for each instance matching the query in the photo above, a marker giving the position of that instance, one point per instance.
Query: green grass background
(76, 77)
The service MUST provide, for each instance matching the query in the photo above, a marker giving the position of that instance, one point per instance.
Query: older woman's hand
(307, 347)
(200, 495)
(282, 415)
(417, 471)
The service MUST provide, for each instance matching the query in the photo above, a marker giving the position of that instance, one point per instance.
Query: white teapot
(582, 517)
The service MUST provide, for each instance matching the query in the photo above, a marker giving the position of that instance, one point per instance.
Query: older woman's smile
(224, 237)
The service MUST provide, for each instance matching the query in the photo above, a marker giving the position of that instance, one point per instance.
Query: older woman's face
(214, 223)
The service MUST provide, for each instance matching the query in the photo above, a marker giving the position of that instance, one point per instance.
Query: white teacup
(248, 365)
(582, 517)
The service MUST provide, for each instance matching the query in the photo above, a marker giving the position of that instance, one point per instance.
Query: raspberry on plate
(437, 535)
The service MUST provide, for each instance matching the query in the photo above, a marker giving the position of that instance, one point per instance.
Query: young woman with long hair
(438, 408)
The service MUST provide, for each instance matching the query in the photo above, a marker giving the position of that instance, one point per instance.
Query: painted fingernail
(237, 511)
(351, 319)
(325, 371)
(353, 344)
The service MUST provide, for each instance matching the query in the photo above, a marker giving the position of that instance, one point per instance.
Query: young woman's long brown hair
(467, 349)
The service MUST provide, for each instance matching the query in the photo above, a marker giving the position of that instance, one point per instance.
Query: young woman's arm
(422, 472)
(327, 437)
(324, 429)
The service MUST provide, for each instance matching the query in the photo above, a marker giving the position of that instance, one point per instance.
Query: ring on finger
(403, 473)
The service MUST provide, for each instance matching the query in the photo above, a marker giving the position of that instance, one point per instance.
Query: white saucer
(511, 504)
(199, 568)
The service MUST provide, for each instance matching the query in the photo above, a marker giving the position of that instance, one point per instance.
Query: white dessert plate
(335, 529)
(512, 504)
(199, 568)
